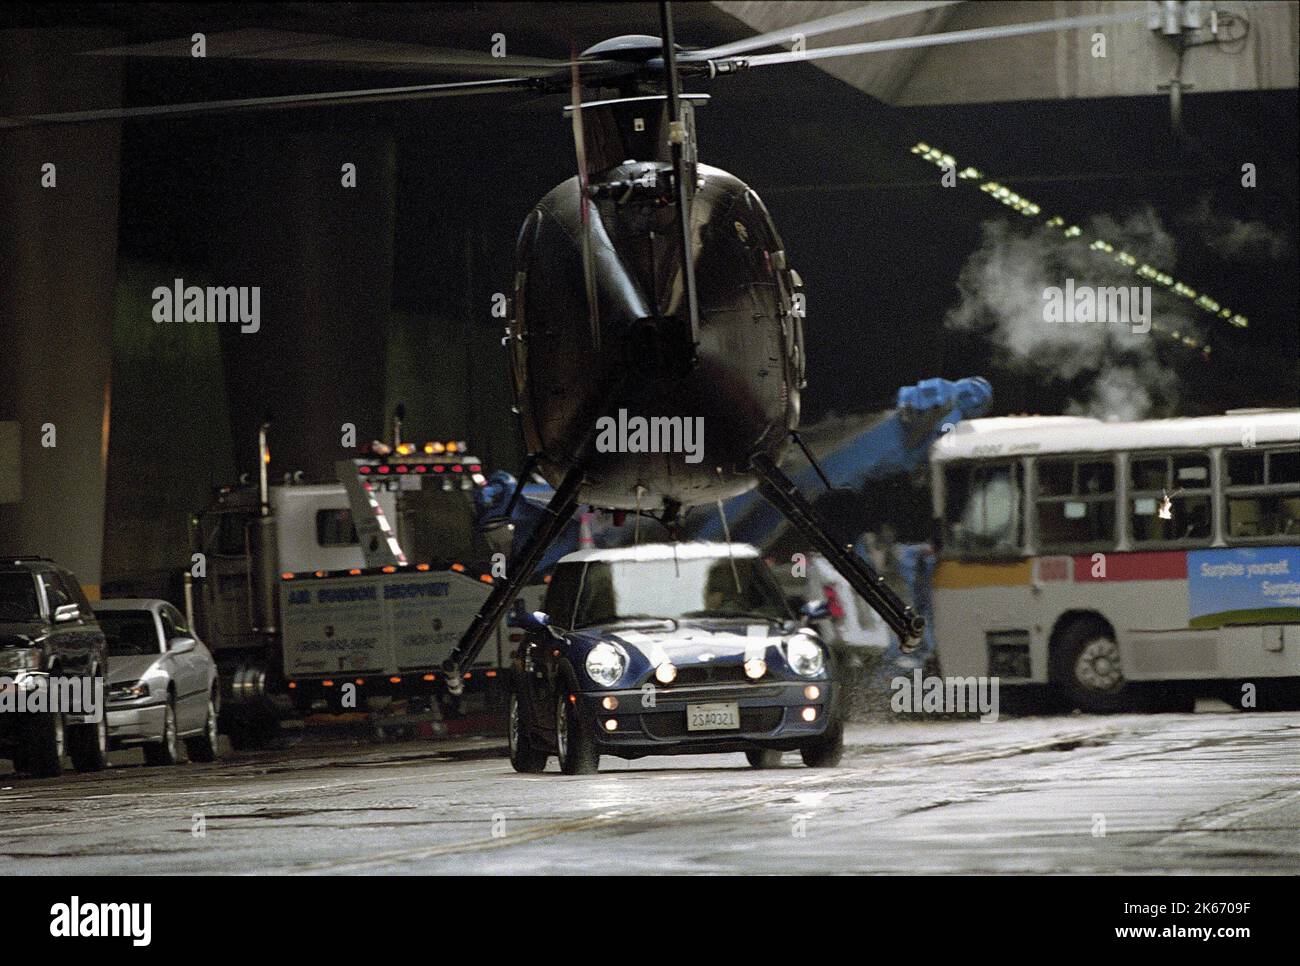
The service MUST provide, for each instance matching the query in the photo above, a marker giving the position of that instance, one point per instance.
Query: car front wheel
(42, 744)
(573, 743)
(204, 747)
(167, 750)
(826, 751)
(764, 758)
(88, 744)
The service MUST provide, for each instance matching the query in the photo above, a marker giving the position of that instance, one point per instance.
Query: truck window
(334, 528)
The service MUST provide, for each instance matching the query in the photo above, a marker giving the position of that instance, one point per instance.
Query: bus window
(983, 507)
(1262, 494)
(1076, 502)
(1170, 498)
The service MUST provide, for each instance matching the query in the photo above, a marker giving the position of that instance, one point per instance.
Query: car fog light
(755, 668)
(609, 703)
(809, 714)
(666, 673)
(611, 724)
(812, 692)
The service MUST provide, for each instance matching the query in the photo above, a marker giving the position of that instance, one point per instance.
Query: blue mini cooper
(669, 649)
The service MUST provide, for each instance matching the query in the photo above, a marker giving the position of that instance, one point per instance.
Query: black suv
(49, 639)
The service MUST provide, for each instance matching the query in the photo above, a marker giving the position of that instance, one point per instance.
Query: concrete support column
(58, 256)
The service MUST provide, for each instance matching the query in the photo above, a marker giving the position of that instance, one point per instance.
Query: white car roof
(1018, 435)
(663, 551)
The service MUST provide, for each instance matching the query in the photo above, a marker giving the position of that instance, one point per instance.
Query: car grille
(673, 724)
(708, 674)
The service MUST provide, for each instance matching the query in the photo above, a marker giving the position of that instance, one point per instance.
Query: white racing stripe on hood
(648, 644)
(754, 642)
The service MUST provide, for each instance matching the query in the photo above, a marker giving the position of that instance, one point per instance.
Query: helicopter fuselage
(739, 380)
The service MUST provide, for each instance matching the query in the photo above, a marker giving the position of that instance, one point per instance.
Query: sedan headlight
(20, 658)
(128, 692)
(606, 664)
(805, 655)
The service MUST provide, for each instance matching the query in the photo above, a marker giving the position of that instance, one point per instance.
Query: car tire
(765, 757)
(574, 745)
(88, 745)
(168, 750)
(204, 747)
(826, 751)
(43, 741)
(525, 756)
(1086, 668)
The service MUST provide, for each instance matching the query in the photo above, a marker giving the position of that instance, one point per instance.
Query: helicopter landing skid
(558, 511)
(780, 491)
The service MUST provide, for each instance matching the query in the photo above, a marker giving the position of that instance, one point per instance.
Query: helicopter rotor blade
(376, 95)
(284, 46)
(678, 133)
(942, 39)
(584, 201)
(857, 17)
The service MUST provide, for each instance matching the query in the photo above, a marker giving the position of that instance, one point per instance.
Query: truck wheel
(764, 758)
(204, 747)
(826, 751)
(42, 744)
(1086, 667)
(577, 752)
(166, 751)
(525, 756)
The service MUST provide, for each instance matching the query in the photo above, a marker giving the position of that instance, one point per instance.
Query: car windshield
(678, 589)
(18, 601)
(129, 632)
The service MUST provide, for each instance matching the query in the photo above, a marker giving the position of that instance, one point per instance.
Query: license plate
(724, 716)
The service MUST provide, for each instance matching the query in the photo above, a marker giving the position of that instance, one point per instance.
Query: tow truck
(347, 594)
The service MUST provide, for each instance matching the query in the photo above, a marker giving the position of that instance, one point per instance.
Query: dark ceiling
(879, 243)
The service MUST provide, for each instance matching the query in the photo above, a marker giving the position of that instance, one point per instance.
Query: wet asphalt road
(1206, 792)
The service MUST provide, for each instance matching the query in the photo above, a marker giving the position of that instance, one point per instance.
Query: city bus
(1091, 557)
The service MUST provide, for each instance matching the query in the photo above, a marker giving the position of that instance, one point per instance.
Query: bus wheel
(1086, 667)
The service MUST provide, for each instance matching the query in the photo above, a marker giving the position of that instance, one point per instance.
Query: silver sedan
(162, 682)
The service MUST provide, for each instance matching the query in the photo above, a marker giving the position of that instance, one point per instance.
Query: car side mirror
(181, 645)
(815, 610)
(65, 613)
(527, 621)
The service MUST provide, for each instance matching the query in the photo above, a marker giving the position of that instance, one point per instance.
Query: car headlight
(128, 692)
(20, 658)
(606, 664)
(805, 655)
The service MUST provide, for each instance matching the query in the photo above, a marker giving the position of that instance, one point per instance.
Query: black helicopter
(648, 284)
